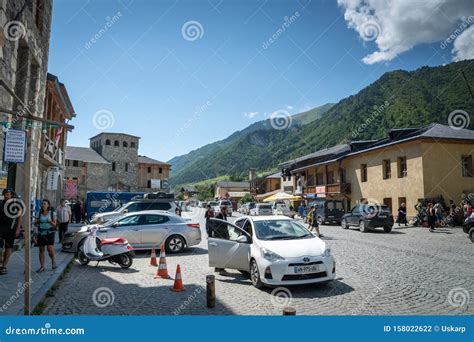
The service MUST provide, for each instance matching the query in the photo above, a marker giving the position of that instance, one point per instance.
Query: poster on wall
(71, 189)
(15, 146)
(155, 183)
(52, 180)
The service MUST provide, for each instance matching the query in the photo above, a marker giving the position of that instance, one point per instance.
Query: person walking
(402, 215)
(310, 217)
(64, 216)
(220, 231)
(314, 222)
(77, 211)
(9, 228)
(208, 215)
(46, 228)
(431, 217)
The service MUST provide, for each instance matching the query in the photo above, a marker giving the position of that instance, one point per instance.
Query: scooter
(113, 250)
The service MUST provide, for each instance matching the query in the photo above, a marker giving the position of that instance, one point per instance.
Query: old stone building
(112, 163)
(24, 46)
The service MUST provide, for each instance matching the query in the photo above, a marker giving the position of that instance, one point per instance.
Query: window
(363, 172)
(154, 206)
(402, 167)
(116, 143)
(466, 162)
(388, 202)
(310, 181)
(330, 177)
(319, 179)
(132, 145)
(155, 219)
(113, 166)
(342, 175)
(126, 167)
(149, 169)
(75, 163)
(148, 184)
(125, 144)
(107, 142)
(160, 170)
(386, 168)
(128, 221)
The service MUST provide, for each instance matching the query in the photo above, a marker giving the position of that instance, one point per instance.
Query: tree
(247, 198)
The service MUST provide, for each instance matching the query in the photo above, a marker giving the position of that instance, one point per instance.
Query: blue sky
(143, 76)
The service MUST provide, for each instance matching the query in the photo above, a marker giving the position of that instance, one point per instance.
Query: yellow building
(408, 165)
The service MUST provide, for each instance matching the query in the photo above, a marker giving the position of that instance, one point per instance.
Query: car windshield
(280, 230)
(118, 209)
(375, 209)
(213, 204)
(265, 206)
(227, 203)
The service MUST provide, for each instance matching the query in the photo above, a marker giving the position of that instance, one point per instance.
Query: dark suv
(329, 211)
(367, 217)
(468, 228)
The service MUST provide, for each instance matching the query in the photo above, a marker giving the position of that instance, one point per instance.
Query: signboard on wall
(155, 183)
(52, 180)
(71, 189)
(321, 191)
(15, 146)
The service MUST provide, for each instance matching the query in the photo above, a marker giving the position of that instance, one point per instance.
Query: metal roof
(147, 160)
(85, 154)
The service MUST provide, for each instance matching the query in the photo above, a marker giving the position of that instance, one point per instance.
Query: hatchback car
(367, 217)
(261, 209)
(275, 250)
(143, 230)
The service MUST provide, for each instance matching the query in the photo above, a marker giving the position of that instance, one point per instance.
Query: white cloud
(464, 45)
(396, 26)
(250, 114)
(289, 107)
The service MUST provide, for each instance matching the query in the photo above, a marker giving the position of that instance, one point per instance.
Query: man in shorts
(10, 221)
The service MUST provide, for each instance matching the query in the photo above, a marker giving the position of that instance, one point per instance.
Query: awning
(281, 196)
(238, 194)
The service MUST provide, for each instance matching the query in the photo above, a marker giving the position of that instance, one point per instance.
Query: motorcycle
(113, 250)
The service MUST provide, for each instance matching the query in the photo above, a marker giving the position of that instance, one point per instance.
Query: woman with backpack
(45, 232)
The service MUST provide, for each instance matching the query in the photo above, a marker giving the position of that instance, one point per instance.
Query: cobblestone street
(407, 272)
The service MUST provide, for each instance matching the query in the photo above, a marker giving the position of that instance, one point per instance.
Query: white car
(282, 209)
(275, 250)
(224, 203)
(261, 209)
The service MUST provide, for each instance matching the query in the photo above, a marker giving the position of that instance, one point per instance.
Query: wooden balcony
(338, 188)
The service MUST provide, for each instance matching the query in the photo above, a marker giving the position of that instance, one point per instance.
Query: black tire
(363, 226)
(387, 229)
(255, 275)
(344, 224)
(175, 244)
(81, 257)
(471, 234)
(125, 260)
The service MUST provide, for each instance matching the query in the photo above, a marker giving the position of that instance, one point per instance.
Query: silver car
(261, 209)
(144, 230)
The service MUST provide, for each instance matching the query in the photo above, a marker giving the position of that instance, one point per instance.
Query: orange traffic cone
(162, 271)
(153, 261)
(178, 282)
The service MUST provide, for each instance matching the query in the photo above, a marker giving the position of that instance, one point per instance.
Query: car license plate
(306, 269)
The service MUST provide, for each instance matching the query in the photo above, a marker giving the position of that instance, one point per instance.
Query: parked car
(367, 217)
(143, 230)
(135, 206)
(245, 209)
(329, 210)
(280, 208)
(261, 209)
(468, 227)
(275, 250)
(224, 203)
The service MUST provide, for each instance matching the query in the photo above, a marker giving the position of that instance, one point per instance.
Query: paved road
(409, 271)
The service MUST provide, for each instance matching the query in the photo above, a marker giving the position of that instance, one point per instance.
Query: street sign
(15, 146)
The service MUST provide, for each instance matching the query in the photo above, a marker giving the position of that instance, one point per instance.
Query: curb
(40, 295)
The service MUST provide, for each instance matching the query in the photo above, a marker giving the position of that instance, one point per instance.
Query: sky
(182, 74)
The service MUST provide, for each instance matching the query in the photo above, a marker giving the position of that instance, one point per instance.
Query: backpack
(51, 213)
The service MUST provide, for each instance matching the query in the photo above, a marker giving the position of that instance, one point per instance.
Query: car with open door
(274, 250)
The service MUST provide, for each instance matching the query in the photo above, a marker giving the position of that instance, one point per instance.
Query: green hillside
(397, 99)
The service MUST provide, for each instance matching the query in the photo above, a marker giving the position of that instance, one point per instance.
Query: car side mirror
(242, 239)
(125, 211)
(115, 225)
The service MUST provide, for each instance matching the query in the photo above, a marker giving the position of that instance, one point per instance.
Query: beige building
(410, 164)
(152, 174)
(232, 190)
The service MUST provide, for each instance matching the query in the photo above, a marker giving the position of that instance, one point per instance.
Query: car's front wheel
(175, 244)
(255, 275)
(344, 224)
(471, 234)
(387, 229)
(363, 226)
